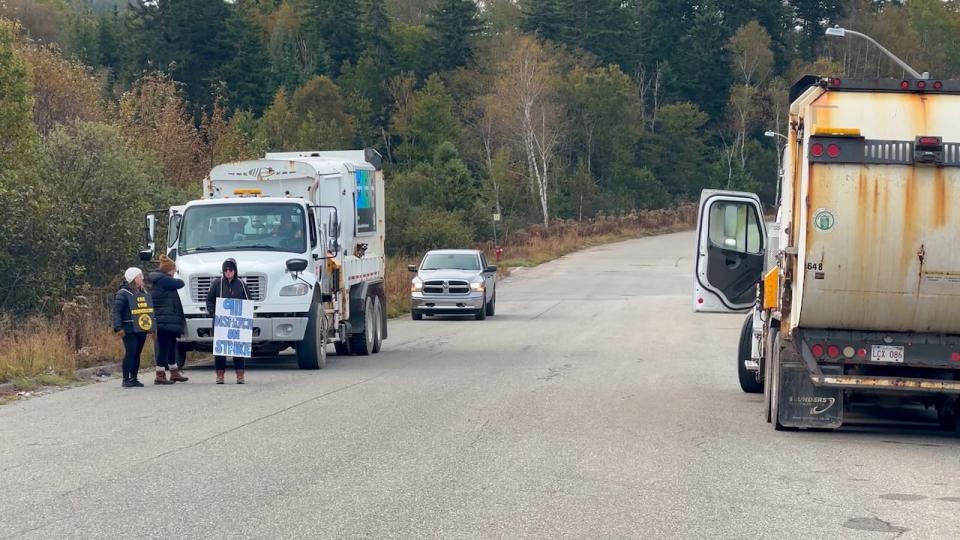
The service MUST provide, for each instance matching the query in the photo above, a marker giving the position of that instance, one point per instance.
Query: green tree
(677, 153)
(246, 76)
(17, 133)
(296, 54)
(429, 122)
(454, 25)
(312, 118)
(336, 25)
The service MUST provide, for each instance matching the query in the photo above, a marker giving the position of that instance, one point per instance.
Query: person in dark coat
(133, 316)
(171, 321)
(228, 285)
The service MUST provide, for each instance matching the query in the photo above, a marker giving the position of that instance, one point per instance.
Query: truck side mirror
(297, 265)
(490, 269)
(149, 233)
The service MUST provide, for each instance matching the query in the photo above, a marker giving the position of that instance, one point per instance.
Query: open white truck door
(731, 240)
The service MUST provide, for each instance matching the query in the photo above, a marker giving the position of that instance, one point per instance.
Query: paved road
(594, 405)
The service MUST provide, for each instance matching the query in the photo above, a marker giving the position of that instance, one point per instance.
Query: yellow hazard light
(836, 132)
(771, 288)
(250, 192)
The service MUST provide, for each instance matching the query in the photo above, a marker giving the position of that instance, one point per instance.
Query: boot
(239, 376)
(220, 373)
(128, 383)
(175, 376)
(161, 378)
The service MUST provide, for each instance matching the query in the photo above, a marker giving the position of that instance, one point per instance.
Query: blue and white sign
(233, 327)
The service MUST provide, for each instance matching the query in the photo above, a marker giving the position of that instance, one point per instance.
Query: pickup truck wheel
(362, 343)
(416, 315)
(492, 306)
(748, 379)
(379, 324)
(482, 312)
(312, 351)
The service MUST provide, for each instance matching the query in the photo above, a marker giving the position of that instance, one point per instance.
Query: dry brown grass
(41, 350)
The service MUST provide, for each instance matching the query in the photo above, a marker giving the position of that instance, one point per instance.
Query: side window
(734, 226)
(483, 262)
(173, 229)
(366, 202)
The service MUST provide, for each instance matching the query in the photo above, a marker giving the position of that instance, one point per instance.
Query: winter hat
(132, 273)
(167, 264)
(229, 263)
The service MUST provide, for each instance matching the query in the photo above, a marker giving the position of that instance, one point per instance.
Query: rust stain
(939, 197)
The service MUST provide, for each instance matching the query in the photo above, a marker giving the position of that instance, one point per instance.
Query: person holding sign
(171, 321)
(133, 315)
(228, 285)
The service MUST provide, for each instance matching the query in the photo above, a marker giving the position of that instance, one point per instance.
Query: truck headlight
(477, 285)
(297, 289)
(416, 285)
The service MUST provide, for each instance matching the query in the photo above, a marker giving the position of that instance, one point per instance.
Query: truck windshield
(244, 227)
(449, 261)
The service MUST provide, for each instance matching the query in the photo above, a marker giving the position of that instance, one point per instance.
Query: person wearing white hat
(133, 316)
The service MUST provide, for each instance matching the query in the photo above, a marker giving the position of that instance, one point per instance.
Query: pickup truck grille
(440, 288)
(200, 286)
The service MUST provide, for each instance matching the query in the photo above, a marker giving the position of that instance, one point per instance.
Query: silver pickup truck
(453, 282)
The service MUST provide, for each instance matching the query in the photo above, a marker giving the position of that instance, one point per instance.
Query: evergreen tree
(335, 26)
(374, 27)
(17, 134)
(246, 76)
(454, 25)
(700, 66)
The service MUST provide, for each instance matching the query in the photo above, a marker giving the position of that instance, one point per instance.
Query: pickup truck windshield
(244, 227)
(444, 261)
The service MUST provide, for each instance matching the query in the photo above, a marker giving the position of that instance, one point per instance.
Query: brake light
(833, 351)
(833, 150)
(835, 83)
(861, 353)
(937, 85)
(929, 141)
(817, 350)
(955, 357)
(921, 84)
(816, 149)
(905, 85)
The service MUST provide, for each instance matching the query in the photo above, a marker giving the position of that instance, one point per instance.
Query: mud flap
(803, 405)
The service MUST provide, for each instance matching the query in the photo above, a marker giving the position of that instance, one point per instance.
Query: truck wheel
(775, 384)
(362, 343)
(181, 356)
(772, 340)
(492, 306)
(748, 379)
(312, 351)
(342, 348)
(380, 323)
(416, 315)
(482, 313)
(947, 416)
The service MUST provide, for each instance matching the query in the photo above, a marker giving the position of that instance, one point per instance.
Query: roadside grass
(40, 352)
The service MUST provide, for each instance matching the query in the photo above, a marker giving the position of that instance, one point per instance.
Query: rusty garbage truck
(853, 292)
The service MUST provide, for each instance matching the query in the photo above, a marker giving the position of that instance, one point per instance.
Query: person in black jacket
(170, 319)
(132, 315)
(228, 285)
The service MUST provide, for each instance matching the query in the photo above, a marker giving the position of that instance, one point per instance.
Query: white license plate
(886, 353)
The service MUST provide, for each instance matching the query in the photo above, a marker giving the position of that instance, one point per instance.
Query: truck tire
(772, 335)
(342, 348)
(416, 315)
(312, 351)
(748, 379)
(492, 306)
(482, 312)
(775, 387)
(181, 356)
(362, 343)
(381, 321)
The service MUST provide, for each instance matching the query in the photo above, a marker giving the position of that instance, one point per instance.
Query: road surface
(594, 405)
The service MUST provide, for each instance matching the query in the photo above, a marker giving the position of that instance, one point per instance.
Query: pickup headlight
(297, 289)
(416, 285)
(477, 285)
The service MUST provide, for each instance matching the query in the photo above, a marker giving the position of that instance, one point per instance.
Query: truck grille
(440, 288)
(200, 286)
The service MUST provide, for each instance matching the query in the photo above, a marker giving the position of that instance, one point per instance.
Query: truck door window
(734, 227)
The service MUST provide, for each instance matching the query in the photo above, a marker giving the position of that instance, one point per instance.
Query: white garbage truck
(859, 276)
(307, 232)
